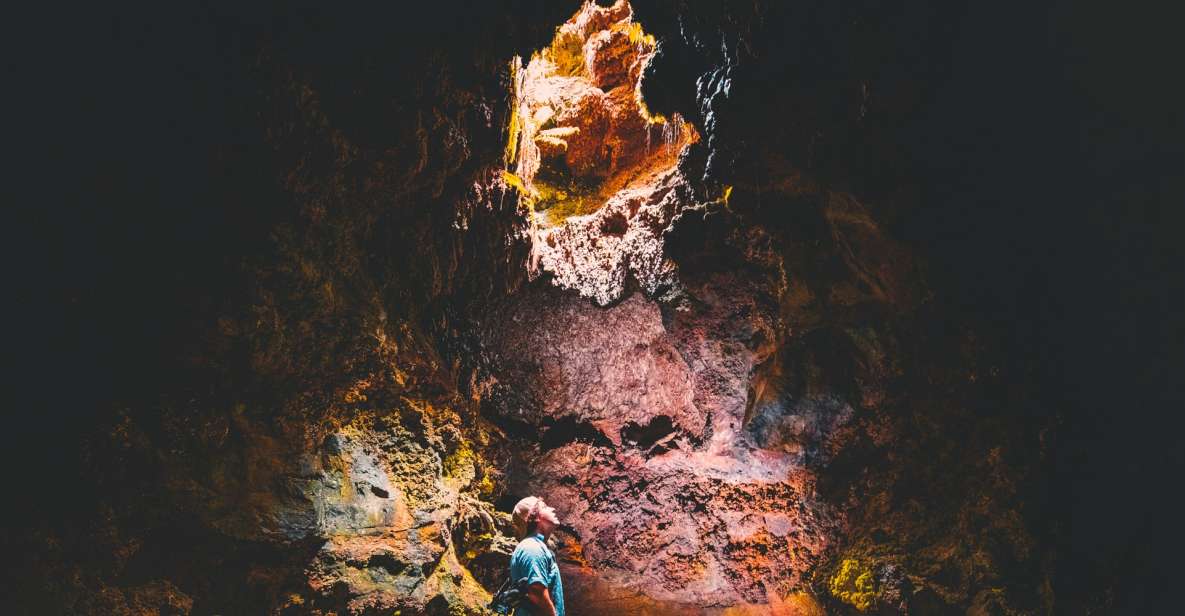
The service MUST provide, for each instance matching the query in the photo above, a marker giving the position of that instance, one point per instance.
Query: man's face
(547, 514)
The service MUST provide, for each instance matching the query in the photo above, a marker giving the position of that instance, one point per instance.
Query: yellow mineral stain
(853, 583)
(516, 67)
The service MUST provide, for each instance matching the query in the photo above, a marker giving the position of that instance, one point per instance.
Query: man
(532, 559)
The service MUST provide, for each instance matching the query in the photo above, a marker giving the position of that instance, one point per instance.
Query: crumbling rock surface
(599, 172)
(364, 511)
(603, 253)
(798, 339)
(611, 369)
(306, 450)
(386, 508)
(678, 504)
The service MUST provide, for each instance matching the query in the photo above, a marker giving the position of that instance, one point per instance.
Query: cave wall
(313, 372)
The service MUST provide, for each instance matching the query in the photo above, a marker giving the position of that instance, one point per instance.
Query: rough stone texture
(379, 507)
(304, 449)
(587, 122)
(795, 423)
(611, 60)
(386, 509)
(602, 254)
(572, 103)
(669, 500)
(570, 362)
(798, 337)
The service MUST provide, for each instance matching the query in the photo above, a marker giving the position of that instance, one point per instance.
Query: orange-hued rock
(610, 59)
(581, 107)
(589, 154)
(157, 597)
(589, 78)
(633, 140)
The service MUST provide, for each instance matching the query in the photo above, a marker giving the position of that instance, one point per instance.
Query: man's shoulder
(530, 547)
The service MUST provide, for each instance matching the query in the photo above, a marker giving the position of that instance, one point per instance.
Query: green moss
(854, 584)
(477, 544)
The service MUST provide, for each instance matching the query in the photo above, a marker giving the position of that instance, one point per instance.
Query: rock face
(602, 254)
(687, 442)
(597, 169)
(667, 497)
(714, 355)
(573, 363)
(386, 510)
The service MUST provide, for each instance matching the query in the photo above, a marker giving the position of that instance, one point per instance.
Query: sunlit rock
(597, 170)
(670, 498)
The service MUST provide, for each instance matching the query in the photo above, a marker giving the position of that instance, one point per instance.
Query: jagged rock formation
(598, 171)
(644, 450)
(442, 281)
(697, 445)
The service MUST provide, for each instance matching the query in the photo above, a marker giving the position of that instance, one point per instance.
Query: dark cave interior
(943, 288)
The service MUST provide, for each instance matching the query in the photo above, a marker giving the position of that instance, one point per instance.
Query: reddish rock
(620, 371)
(670, 499)
(610, 59)
(581, 107)
(754, 394)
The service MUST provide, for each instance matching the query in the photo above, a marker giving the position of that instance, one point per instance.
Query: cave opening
(590, 162)
(579, 130)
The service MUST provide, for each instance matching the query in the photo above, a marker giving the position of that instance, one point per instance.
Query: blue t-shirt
(533, 560)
